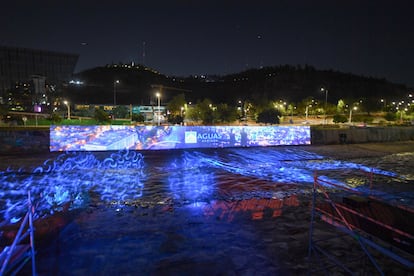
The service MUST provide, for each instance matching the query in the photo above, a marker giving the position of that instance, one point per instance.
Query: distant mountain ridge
(287, 82)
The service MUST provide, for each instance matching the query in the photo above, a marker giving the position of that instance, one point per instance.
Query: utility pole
(160, 88)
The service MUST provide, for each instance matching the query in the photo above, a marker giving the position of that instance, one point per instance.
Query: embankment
(357, 135)
(36, 140)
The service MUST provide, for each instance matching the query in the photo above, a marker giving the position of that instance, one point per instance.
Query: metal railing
(15, 256)
(346, 219)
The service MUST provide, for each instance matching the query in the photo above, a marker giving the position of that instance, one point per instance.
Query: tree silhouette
(269, 116)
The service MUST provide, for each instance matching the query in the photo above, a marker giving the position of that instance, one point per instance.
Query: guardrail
(371, 222)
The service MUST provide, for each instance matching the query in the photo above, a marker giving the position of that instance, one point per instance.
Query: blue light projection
(287, 165)
(108, 137)
(191, 178)
(70, 180)
(195, 176)
(191, 182)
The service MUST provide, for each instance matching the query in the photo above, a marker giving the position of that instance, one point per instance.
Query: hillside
(290, 83)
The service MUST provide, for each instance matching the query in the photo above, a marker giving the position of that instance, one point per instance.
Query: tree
(306, 104)
(339, 118)
(341, 106)
(101, 116)
(224, 113)
(138, 118)
(175, 119)
(259, 103)
(192, 113)
(205, 110)
(269, 116)
(291, 109)
(55, 117)
(176, 104)
(207, 117)
(390, 116)
(120, 111)
(3, 111)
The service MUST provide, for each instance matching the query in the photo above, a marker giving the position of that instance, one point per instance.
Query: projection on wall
(108, 138)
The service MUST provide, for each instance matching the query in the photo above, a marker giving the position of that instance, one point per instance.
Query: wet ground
(229, 211)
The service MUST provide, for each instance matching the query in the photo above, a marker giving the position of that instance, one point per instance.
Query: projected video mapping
(108, 138)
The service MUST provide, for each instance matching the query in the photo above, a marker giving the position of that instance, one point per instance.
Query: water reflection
(195, 177)
(68, 180)
(257, 208)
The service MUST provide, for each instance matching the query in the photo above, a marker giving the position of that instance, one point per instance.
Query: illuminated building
(31, 77)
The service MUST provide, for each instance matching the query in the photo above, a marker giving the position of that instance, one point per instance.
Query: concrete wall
(351, 135)
(16, 141)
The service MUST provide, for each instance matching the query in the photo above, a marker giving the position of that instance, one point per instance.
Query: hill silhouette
(137, 85)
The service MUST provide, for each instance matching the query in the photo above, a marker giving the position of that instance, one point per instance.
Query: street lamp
(306, 112)
(159, 113)
(326, 101)
(350, 114)
(68, 106)
(384, 101)
(291, 113)
(115, 83)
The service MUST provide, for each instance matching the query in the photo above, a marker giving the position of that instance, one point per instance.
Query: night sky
(370, 38)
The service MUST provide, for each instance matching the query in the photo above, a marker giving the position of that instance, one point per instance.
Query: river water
(225, 211)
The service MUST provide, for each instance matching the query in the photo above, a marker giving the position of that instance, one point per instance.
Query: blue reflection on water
(284, 166)
(192, 187)
(190, 177)
(68, 180)
(191, 181)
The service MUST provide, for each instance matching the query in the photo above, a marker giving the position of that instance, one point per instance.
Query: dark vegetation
(290, 83)
(262, 95)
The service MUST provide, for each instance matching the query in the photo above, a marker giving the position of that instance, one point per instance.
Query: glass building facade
(37, 68)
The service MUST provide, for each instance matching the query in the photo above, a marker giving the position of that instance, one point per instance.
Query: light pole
(68, 106)
(384, 101)
(306, 112)
(350, 114)
(159, 113)
(115, 83)
(326, 102)
(291, 113)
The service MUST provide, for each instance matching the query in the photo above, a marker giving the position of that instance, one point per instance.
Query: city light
(307, 112)
(115, 83)
(159, 111)
(68, 106)
(350, 113)
(77, 82)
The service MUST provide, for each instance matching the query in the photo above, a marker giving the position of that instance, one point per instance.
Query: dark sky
(370, 38)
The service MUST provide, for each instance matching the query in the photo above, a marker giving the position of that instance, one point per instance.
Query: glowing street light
(115, 83)
(307, 111)
(68, 106)
(350, 114)
(384, 101)
(159, 112)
